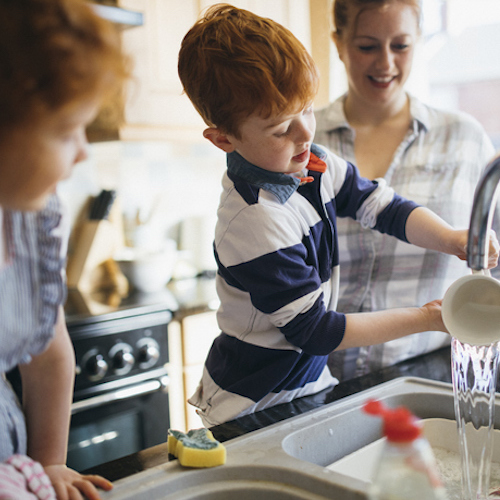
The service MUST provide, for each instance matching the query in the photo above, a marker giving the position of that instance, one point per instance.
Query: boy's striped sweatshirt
(277, 280)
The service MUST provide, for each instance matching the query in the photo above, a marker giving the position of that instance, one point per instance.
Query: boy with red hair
(275, 244)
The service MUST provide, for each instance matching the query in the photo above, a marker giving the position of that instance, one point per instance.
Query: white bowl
(148, 272)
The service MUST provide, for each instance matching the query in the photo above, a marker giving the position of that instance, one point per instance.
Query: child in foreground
(253, 83)
(58, 61)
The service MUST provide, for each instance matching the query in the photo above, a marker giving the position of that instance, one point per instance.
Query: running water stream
(474, 376)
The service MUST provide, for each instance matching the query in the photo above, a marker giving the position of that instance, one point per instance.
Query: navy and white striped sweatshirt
(276, 250)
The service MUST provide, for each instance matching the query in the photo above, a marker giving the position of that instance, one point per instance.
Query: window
(464, 64)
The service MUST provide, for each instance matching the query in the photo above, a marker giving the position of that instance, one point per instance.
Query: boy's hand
(493, 247)
(493, 250)
(433, 312)
(70, 485)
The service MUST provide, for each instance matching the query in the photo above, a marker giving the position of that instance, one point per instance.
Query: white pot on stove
(148, 271)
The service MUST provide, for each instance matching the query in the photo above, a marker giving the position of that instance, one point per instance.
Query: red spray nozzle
(400, 425)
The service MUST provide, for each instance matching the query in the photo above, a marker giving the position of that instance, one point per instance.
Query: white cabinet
(198, 333)
(155, 106)
(190, 340)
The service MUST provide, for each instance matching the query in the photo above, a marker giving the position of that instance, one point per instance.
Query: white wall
(179, 183)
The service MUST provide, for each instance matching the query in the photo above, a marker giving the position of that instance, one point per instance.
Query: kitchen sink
(244, 482)
(297, 458)
(340, 433)
(228, 482)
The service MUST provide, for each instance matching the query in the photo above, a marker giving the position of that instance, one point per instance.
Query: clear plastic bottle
(407, 468)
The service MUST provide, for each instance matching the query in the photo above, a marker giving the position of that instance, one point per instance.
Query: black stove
(120, 403)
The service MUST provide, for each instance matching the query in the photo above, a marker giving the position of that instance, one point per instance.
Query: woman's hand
(70, 485)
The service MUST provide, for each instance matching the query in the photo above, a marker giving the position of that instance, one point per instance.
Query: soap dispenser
(407, 468)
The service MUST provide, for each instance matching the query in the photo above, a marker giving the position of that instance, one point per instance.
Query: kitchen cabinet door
(154, 106)
(190, 339)
(198, 333)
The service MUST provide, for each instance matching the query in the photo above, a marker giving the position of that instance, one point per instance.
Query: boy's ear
(219, 139)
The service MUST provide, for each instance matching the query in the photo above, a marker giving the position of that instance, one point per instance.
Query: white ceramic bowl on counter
(148, 271)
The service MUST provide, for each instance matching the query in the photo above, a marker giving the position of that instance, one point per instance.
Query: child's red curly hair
(233, 63)
(54, 53)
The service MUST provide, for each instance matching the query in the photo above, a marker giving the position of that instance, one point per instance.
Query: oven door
(119, 422)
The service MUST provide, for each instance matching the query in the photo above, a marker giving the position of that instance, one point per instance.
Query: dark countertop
(434, 366)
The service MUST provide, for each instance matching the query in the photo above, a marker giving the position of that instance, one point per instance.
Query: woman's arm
(47, 394)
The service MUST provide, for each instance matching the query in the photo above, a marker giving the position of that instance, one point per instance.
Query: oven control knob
(148, 352)
(123, 359)
(95, 366)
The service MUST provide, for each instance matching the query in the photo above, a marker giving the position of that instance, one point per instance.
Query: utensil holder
(97, 242)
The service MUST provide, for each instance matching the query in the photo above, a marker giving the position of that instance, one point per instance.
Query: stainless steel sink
(288, 460)
(246, 482)
(345, 428)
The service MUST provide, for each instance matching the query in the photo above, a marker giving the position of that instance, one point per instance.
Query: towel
(21, 478)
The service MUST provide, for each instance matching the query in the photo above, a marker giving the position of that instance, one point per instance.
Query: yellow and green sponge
(196, 448)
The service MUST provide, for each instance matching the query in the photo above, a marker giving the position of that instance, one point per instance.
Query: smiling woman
(431, 156)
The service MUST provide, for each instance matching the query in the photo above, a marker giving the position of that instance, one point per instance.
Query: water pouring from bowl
(471, 313)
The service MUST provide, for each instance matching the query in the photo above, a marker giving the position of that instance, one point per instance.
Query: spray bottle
(407, 468)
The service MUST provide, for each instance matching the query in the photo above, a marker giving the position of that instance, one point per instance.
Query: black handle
(101, 206)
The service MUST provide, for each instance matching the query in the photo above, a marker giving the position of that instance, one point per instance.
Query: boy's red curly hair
(54, 53)
(233, 63)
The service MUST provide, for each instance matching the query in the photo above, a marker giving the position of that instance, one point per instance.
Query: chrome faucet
(483, 209)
